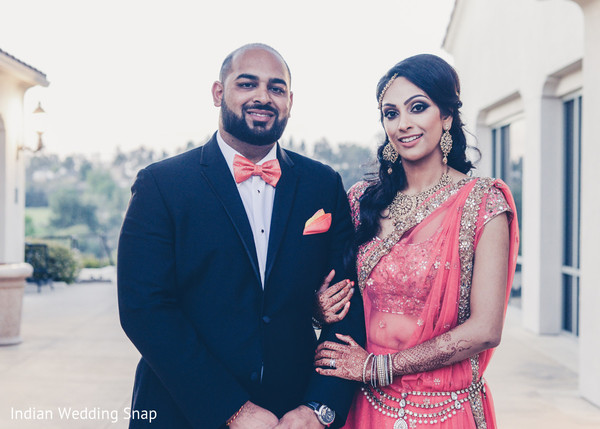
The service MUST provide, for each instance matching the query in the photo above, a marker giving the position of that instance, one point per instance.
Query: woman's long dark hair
(440, 82)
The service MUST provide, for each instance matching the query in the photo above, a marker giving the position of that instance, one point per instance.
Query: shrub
(61, 264)
(91, 261)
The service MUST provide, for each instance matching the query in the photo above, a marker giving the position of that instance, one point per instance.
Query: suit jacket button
(266, 319)
(254, 376)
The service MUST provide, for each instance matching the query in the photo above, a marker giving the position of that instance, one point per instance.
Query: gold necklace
(403, 205)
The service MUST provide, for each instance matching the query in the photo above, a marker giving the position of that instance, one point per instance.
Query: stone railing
(12, 286)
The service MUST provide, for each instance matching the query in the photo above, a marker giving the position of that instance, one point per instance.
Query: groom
(218, 267)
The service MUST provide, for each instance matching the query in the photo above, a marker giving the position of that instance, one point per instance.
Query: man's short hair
(226, 66)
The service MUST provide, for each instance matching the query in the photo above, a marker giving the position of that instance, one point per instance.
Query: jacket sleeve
(335, 392)
(150, 314)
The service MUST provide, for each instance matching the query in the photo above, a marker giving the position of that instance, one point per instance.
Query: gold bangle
(235, 416)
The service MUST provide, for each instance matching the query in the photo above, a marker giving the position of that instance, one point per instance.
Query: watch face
(327, 415)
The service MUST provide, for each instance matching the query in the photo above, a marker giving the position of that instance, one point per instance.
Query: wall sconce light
(38, 120)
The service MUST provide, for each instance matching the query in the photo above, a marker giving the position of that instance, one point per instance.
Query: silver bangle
(364, 373)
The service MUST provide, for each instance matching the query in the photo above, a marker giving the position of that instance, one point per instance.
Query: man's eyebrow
(272, 81)
(247, 76)
(276, 80)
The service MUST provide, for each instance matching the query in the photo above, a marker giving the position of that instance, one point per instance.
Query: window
(571, 213)
(508, 141)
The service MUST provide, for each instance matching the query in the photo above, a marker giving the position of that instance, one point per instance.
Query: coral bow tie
(243, 169)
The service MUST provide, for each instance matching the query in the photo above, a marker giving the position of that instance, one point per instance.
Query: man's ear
(217, 93)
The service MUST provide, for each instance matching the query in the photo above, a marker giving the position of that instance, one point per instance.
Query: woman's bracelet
(364, 374)
(235, 416)
(382, 371)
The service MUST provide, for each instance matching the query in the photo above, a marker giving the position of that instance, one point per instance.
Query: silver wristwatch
(325, 414)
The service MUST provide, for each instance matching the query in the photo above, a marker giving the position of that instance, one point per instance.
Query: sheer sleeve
(354, 194)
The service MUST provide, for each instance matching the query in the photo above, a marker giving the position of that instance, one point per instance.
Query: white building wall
(519, 59)
(589, 342)
(505, 50)
(15, 78)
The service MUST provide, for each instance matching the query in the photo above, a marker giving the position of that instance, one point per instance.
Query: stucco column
(540, 241)
(589, 365)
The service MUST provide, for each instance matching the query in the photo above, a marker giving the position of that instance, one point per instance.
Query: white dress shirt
(258, 198)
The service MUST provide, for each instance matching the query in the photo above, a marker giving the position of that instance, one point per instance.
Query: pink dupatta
(416, 285)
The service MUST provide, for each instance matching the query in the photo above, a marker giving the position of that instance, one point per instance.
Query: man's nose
(261, 95)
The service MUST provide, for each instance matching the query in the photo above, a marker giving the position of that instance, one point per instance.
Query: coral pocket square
(318, 223)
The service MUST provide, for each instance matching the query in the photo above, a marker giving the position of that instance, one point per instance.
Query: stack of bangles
(235, 416)
(382, 372)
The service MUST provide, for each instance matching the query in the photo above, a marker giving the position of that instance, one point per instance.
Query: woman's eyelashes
(418, 107)
(390, 114)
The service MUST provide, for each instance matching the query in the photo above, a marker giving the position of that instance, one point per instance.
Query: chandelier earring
(446, 144)
(390, 155)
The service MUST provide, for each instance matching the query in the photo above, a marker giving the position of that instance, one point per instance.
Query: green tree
(29, 226)
(323, 152)
(85, 167)
(353, 162)
(68, 209)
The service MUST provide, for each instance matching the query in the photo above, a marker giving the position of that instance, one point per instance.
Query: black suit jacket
(191, 300)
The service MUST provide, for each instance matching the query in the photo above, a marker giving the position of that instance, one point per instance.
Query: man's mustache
(262, 107)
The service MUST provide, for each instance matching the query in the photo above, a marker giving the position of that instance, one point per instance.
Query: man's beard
(259, 136)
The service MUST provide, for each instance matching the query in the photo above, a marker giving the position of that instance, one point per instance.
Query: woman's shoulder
(494, 197)
(355, 192)
(486, 182)
(358, 189)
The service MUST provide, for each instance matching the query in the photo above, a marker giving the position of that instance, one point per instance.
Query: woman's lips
(410, 141)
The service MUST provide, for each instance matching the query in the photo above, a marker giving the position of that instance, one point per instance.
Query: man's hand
(300, 418)
(254, 417)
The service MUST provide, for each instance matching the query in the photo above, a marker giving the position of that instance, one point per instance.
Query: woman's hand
(332, 303)
(341, 360)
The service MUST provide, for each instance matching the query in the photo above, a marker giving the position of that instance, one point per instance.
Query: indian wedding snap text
(93, 413)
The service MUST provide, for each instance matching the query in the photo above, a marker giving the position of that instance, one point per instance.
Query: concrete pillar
(12, 198)
(589, 319)
(540, 243)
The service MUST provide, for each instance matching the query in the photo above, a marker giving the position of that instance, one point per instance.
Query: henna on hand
(430, 355)
(333, 303)
(349, 358)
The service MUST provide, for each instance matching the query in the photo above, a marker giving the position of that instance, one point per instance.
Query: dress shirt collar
(229, 153)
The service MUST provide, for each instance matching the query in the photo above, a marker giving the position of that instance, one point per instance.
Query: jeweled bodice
(401, 281)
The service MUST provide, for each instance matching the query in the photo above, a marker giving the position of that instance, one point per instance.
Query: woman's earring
(446, 144)
(390, 155)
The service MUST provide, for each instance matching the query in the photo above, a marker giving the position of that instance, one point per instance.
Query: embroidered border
(354, 193)
(466, 250)
(371, 255)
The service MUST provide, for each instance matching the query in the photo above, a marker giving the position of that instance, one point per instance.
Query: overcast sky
(126, 73)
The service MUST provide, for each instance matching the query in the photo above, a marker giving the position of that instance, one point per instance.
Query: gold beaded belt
(449, 402)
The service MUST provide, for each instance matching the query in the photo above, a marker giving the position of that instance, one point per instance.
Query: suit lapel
(282, 207)
(219, 178)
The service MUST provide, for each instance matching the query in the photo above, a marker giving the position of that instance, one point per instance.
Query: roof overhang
(452, 25)
(26, 75)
